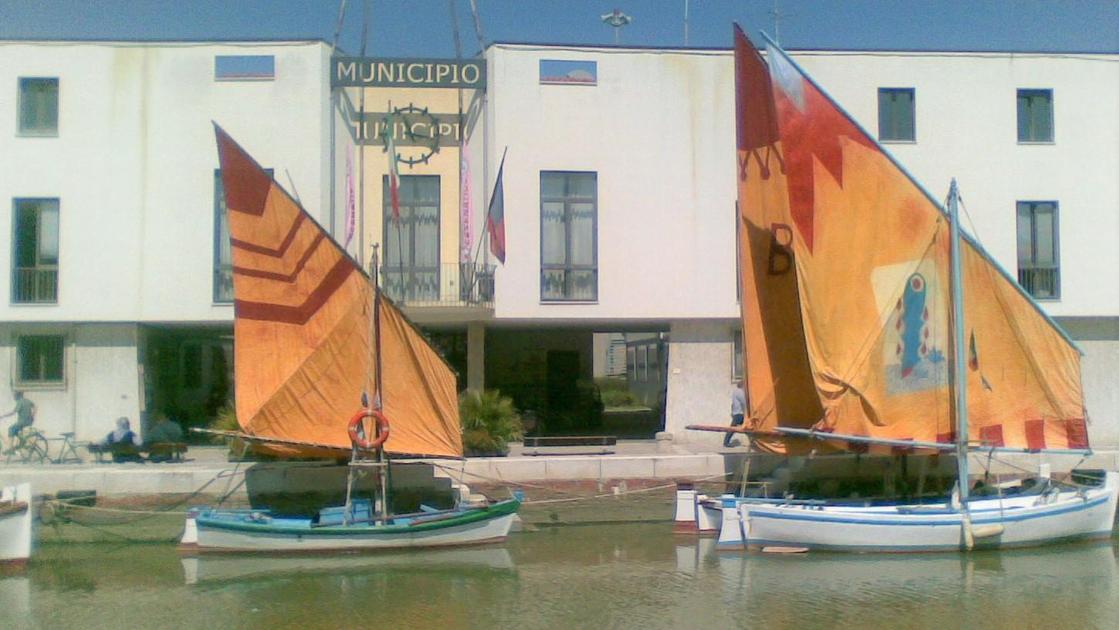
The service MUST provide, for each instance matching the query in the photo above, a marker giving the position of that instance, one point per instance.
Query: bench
(157, 452)
(570, 445)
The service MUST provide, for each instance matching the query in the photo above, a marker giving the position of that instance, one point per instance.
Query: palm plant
(489, 422)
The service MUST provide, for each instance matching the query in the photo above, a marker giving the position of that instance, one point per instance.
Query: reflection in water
(589, 576)
(218, 567)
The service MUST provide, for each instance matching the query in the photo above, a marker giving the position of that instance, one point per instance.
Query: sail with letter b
(846, 286)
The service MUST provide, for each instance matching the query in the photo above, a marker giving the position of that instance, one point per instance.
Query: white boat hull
(203, 535)
(1023, 521)
(15, 524)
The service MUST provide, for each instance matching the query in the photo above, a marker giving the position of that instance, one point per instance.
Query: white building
(619, 206)
(647, 137)
(116, 302)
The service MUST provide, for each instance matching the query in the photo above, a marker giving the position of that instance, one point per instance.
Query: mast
(959, 371)
(378, 402)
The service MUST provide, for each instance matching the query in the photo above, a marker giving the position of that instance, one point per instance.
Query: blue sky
(422, 28)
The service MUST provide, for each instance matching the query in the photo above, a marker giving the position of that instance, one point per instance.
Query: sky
(423, 28)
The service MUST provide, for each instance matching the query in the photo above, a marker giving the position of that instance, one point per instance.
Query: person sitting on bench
(160, 438)
(122, 442)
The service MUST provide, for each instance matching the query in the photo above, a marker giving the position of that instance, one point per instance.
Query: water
(601, 576)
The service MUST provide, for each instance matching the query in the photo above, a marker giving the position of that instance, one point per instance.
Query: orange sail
(303, 329)
(846, 289)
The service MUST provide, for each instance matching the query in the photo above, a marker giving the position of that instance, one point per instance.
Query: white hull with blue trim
(258, 531)
(15, 524)
(1086, 513)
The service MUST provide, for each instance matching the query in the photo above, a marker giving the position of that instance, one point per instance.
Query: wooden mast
(959, 369)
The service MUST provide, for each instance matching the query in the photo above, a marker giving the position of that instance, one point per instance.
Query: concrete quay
(207, 471)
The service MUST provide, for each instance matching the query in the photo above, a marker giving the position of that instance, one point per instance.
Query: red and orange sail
(846, 290)
(303, 328)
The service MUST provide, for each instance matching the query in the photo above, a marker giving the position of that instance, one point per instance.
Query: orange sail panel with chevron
(846, 289)
(302, 332)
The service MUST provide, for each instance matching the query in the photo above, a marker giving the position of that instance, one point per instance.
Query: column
(476, 356)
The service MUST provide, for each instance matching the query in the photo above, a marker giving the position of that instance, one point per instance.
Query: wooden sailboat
(328, 367)
(15, 525)
(858, 336)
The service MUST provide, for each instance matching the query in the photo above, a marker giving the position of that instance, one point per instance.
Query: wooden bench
(157, 452)
(165, 451)
(570, 445)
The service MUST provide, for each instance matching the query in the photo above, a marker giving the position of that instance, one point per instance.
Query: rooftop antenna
(616, 19)
(685, 23)
(777, 15)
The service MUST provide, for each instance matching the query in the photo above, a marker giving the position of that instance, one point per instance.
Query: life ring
(382, 429)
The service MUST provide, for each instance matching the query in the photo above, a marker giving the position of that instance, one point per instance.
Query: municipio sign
(417, 73)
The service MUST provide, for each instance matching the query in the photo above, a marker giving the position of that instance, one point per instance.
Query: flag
(394, 175)
(495, 217)
(351, 214)
(467, 209)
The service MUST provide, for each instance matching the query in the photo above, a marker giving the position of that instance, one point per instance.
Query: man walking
(737, 410)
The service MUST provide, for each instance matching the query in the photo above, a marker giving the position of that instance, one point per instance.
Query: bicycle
(68, 451)
(29, 446)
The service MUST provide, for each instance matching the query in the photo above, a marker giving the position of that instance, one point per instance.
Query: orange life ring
(382, 429)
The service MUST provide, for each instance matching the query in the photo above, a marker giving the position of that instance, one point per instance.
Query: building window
(38, 107)
(410, 268)
(1039, 262)
(244, 68)
(568, 72)
(223, 255)
(568, 236)
(39, 359)
(35, 236)
(896, 115)
(1035, 115)
(631, 362)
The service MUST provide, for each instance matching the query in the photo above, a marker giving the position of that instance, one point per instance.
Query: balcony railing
(1044, 283)
(35, 285)
(453, 284)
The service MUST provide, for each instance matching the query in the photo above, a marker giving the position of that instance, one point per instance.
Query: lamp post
(617, 20)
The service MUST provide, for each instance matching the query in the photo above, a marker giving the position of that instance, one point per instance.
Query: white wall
(699, 380)
(657, 130)
(133, 166)
(101, 379)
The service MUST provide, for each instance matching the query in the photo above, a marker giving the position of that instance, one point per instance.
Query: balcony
(1044, 283)
(35, 285)
(454, 290)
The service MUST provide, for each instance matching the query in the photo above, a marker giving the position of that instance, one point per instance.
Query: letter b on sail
(780, 249)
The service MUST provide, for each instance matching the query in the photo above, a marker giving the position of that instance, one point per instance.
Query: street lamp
(616, 19)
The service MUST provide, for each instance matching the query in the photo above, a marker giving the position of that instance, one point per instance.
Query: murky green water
(605, 576)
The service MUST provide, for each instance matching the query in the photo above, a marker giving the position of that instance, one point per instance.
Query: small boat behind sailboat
(858, 337)
(319, 353)
(15, 525)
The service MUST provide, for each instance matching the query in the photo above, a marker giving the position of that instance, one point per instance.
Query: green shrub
(226, 420)
(615, 393)
(489, 422)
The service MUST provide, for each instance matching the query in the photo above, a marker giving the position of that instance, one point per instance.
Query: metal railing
(451, 284)
(1041, 282)
(35, 285)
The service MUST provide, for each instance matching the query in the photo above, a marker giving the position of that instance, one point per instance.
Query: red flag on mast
(495, 217)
